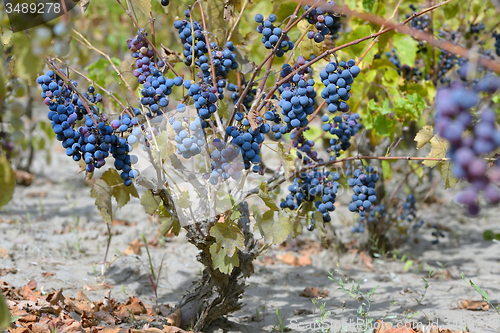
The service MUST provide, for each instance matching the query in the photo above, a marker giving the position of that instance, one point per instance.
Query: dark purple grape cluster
(305, 147)
(497, 43)
(363, 185)
(326, 23)
(272, 34)
(475, 29)
(156, 90)
(204, 98)
(470, 140)
(297, 100)
(337, 80)
(314, 186)
(186, 29)
(407, 72)
(235, 95)
(343, 127)
(144, 55)
(248, 140)
(376, 215)
(421, 23)
(94, 141)
(409, 209)
(226, 162)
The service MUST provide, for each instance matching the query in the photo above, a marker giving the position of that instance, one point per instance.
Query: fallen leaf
(3, 253)
(474, 305)
(174, 319)
(292, 260)
(5, 271)
(24, 178)
(37, 194)
(47, 274)
(105, 317)
(133, 248)
(313, 292)
(366, 259)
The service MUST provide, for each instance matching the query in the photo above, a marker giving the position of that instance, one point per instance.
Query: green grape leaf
(445, 168)
(383, 126)
(439, 148)
(215, 19)
(4, 313)
(293, 217)
(386, 169)
(102, 194)
(406, 49)
(286, 160)
(140, 10)
(274, 231)
(359, 32)
(119, 191)
(165, 145)
(150, 202)
(222, 261)
(368, 5)
(451, 10)
(264, 195)
(229, 237)
(423, 136)
(168, 224)
(7, 181)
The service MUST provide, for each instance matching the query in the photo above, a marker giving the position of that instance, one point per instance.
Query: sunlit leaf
(140, 10)
(101, 192)
(229, 237)
(423, 136)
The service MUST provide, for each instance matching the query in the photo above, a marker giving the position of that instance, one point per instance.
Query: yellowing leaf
(274, 231)
(423, 136)
(286, 160)
(140, 10)
(222, 261)
(439, 148)
(446, 172)
(229, 237)
(264, 195)
(150, 202)
(7, 181)
(121, 192)
(102, 194)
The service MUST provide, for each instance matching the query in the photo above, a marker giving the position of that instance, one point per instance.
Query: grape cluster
(325, 23)
(304, 146)
(475, 29)
(409, 209)
(297, 100)
(469, 140)
(314, 186)
(185, 30)
(421, 23)
(343, 127)
(156, 90)
(337, 81)
(144, 55)
(405, 71)
(249, 140)
(204, 98)
(98, 138)
(226, 162)
(497, 43)
(271, 35)
(249, 97)
(363, 185)
(377, 215)
(189, 138)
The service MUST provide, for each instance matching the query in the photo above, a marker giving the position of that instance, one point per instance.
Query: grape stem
(61, 74)
(380, 21)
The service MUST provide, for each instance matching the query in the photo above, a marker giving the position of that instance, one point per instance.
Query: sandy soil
(52, 232)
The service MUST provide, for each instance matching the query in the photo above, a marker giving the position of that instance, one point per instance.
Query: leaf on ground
(439, 149)
(222, 261)
(119, 191)
(140, 10)
(446, 173)
(366, 259)
(313, 292)
(229, 237)
(7, 181)
(423, 136)
(102, 194)
(286, 160)
(474, 305)
(133, 248)
(150, 202)
(264, 195)
(297, 261)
